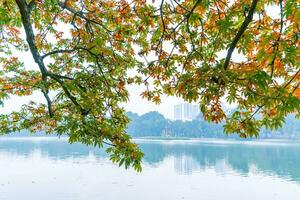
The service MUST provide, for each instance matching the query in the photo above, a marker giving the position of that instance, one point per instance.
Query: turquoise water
(51, 169)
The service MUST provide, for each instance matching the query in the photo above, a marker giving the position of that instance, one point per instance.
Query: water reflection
(281, 160)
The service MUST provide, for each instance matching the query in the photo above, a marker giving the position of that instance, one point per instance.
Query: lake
(52, 169)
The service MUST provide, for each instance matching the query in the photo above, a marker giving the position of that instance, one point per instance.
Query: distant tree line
(154, 124)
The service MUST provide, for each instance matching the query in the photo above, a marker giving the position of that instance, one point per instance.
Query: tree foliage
(149, 124)
(83, 50)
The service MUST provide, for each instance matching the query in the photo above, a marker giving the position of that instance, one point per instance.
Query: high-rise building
(178, 112)
(186, 111)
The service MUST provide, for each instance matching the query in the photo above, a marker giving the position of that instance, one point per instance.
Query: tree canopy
(243, 52)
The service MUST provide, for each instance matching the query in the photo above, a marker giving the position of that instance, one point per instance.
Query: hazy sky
(136, 103)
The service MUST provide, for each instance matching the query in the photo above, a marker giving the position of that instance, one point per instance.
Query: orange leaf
(297, 92)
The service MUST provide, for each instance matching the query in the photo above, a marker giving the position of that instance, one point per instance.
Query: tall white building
(186, 111)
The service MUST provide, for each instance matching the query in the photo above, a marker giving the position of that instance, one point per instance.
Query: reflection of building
(185, 164)
(185, 111)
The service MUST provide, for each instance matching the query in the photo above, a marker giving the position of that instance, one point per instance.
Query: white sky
(136, 103)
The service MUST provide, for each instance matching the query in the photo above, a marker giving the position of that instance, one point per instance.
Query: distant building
(178, 112)
(186, 111)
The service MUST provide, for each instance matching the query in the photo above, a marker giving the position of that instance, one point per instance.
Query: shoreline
(172, 140)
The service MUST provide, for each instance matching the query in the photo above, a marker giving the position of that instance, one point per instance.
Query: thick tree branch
(240, 32)
(31, 5)
(25, 15)
(30, 38)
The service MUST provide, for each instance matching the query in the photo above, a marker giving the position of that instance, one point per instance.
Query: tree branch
(30, 38)
(31, 5)
(49, 103)
(65, 51)
(58, 51)
(81, 15)
(238, 36)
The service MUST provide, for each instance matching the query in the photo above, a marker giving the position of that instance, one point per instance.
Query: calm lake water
(51, 169)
